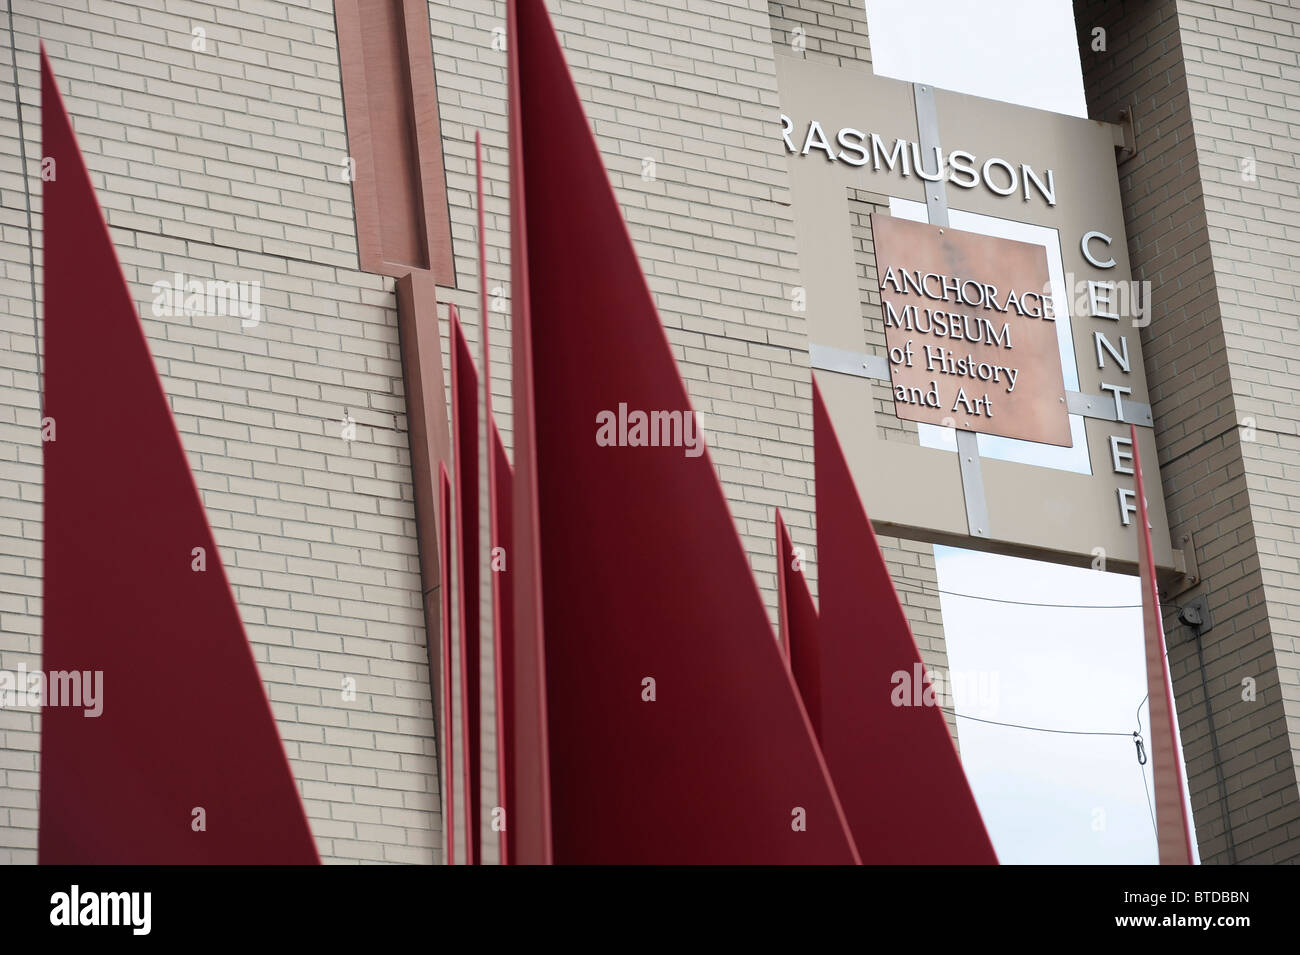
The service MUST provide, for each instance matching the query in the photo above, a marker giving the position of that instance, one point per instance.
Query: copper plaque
(970, 330)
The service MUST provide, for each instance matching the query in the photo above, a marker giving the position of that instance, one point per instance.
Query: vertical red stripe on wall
(448, 736)
(429, 442)
(390, 101)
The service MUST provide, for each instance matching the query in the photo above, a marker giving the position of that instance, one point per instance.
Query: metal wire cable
(1042, 729)
(1020, 603)
(1143, 773)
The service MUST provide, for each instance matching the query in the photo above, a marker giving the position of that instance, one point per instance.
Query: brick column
(1212, 210)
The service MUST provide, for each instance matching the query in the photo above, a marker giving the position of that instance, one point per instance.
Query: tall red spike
(448, 737)
(530, 820)
(499, 539)
(501, 483)
(888, 746)
(800, 625)
(1173, 834)
(784, 551)
(676, 733)
(135, 595)
(464, 415)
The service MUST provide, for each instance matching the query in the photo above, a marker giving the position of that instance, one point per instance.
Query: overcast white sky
(1017, 51)
(1046, 797)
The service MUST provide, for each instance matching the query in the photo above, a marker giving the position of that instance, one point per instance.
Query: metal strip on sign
(827, 358)
(972, 483)
(1102, 407)
(936, 204)
(927, 127)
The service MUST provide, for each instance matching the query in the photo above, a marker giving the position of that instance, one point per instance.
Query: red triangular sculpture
(783, 551)
(530, 816)
(675, 731)
(1173, 834)
(799, 625)
(895, 766)
(465, 431)
(186, 731)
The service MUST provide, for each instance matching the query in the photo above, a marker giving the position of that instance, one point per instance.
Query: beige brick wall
(226, 163)
(834, 30)
(1215, 85)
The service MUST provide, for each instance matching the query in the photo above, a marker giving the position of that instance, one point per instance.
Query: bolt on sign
(971, 331)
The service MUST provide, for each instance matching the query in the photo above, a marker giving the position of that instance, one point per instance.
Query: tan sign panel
(853, 137)
(971, 331)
